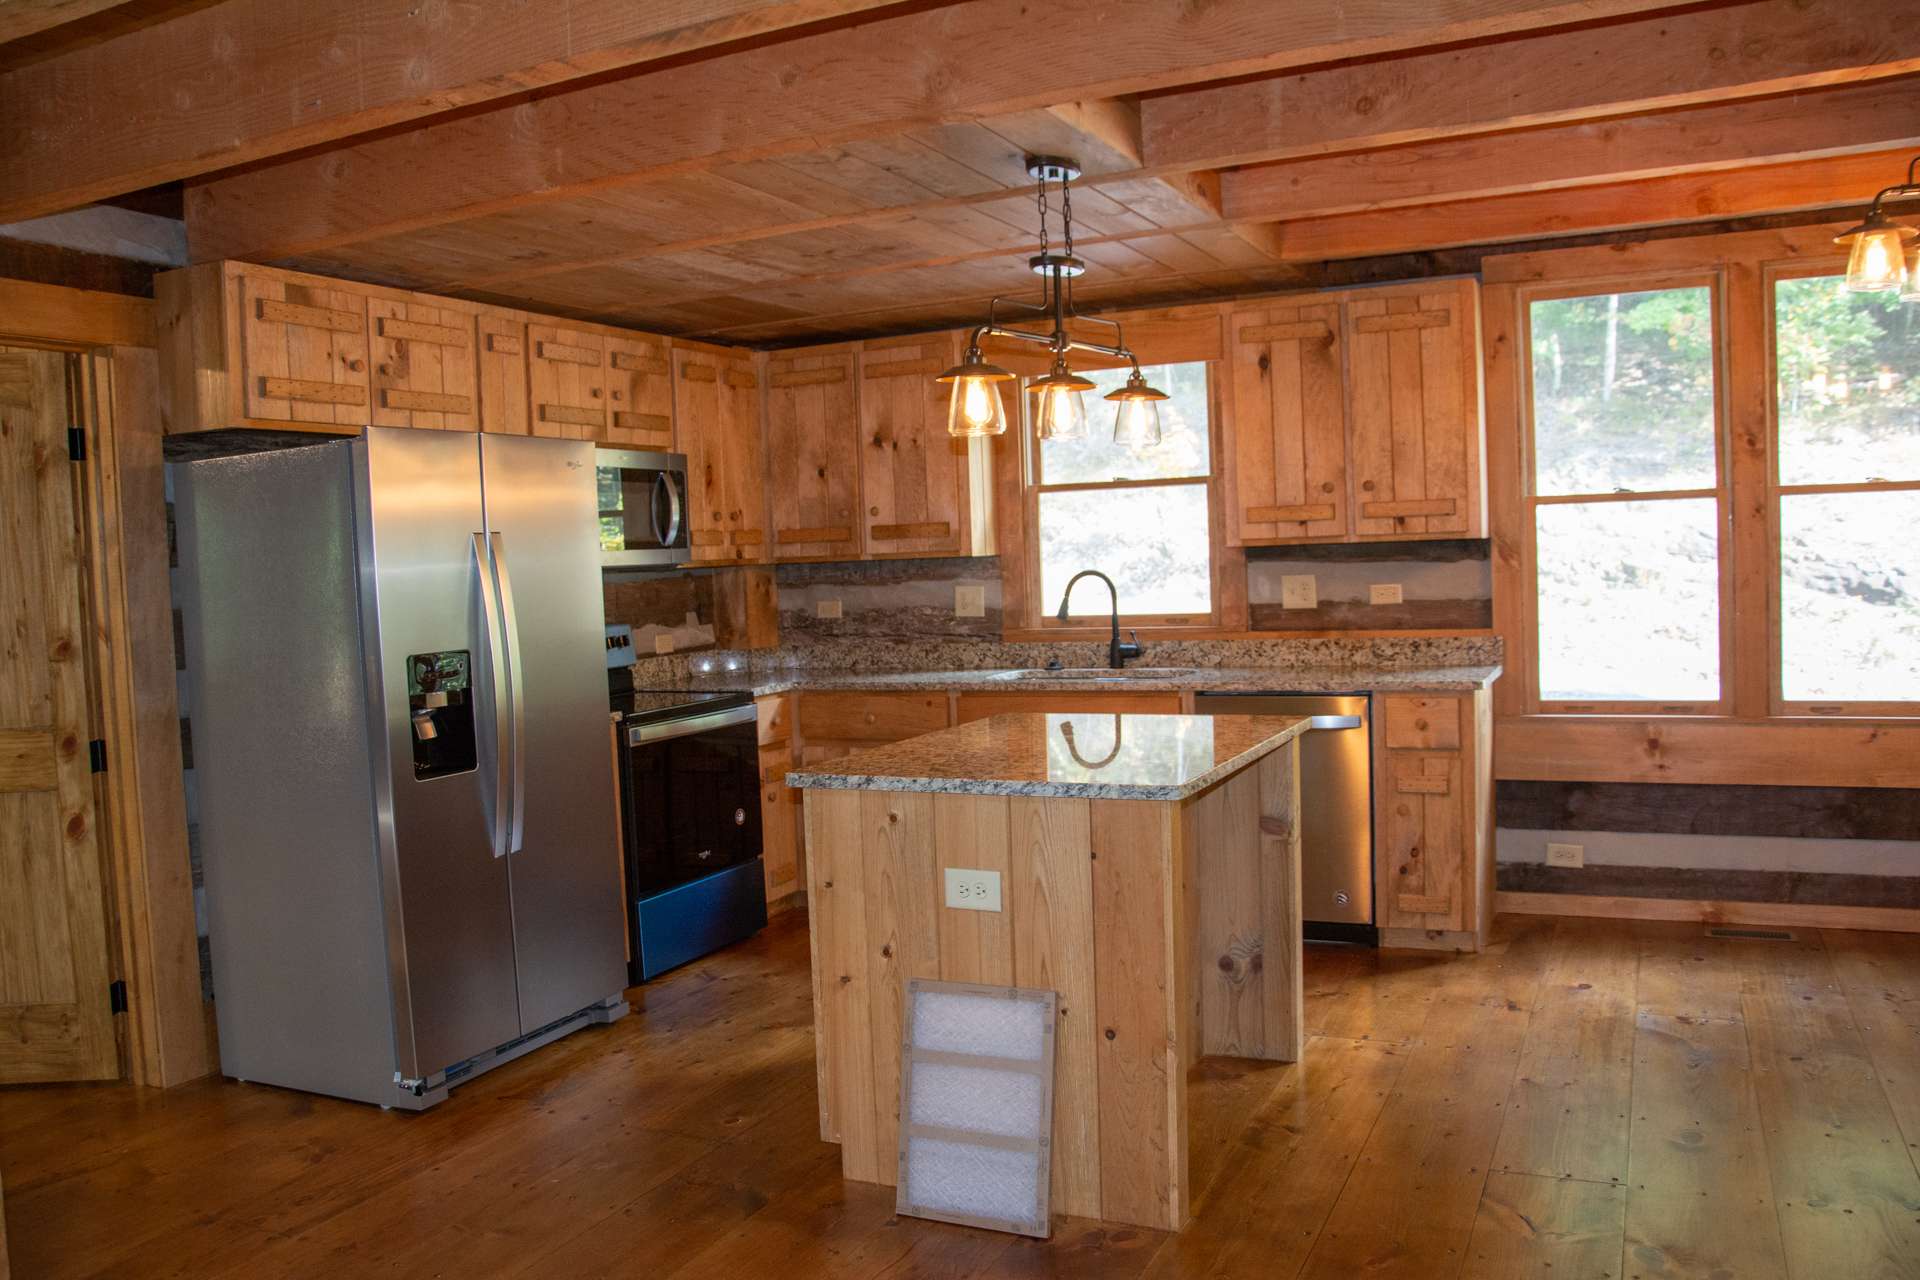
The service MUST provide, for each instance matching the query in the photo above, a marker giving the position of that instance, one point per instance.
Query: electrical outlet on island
(972, 890)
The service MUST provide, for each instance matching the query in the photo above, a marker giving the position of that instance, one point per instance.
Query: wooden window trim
(1778, 704)
(1714, 281)
(1040, 621)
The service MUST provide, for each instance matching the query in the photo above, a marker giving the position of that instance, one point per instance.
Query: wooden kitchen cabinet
(423, 365)
(978, 706)
(502, 372)
(921, 490)
(1433, 789)
(639, 392)
(303, 351)
(813, 453)
(567, 382)
(716, 405)
(833, 724)
(1289, 473)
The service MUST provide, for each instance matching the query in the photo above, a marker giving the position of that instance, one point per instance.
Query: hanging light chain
(1066, 212)
(1040, 188)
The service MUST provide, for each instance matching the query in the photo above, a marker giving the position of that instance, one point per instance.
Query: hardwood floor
(1588, 1099)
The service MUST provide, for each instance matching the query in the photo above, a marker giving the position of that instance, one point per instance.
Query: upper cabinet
(639, 392)
(424, 370)
(919, 491)
(1357, 415)
(716, 405)
(302, 351)
(567, 378)
(813, 453)
(502, 358)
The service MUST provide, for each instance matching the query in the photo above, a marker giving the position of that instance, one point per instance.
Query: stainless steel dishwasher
(1336, 802)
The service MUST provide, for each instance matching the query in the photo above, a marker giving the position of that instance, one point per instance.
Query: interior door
(55, 1019)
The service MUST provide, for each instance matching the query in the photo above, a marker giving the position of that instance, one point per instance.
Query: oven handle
(643, 733)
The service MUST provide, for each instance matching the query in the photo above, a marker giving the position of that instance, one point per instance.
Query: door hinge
(77, 444)
(97, 755)
(117, 996)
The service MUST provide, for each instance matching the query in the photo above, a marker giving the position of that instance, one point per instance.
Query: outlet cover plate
(826, 609)
(972, 890)
(970, 602)
(1299, 591)
(1566, 855)
(1384, 593)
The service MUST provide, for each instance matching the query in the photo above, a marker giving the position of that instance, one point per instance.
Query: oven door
(643, 507)
(692, 800)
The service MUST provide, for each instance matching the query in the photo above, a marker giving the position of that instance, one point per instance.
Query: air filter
(976, 1106)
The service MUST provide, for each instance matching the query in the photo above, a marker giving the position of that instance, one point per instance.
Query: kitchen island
(1145, 867)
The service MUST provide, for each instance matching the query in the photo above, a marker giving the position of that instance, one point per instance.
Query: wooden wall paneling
(145, 808)
(913, 475)
(898, 834)
(303, 350)
(1415, 429)
(639, 392)
(1750, 656)
(1138, 870)
(1287, 455)
(1861, 753)
(1505, 355)
(813, 453)
(1050, 892)
(501, 352)
(54, 966)
(45, 314)
(567, 382)
(424, 365)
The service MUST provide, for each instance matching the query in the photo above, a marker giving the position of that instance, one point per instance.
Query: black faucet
(1117, 651)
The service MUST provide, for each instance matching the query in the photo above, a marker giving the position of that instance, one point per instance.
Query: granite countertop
(1084, 755)
(1153, 680)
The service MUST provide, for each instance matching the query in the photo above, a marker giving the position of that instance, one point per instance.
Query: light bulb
(1879, 259)
(1061, 414)
(1137, 424)
(976, 408)
(975, 404)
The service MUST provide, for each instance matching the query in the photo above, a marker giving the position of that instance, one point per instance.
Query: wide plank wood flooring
(1588, 1100)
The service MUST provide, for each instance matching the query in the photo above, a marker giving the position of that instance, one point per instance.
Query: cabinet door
(813, 454)
(424, 366)
(303, 352)
(1413, 360)
(1289, 429)
(567, 379)
(716, 398)
(1426, 841)
(639, 392)
(503, 374)
(779, 824)
(913, 475)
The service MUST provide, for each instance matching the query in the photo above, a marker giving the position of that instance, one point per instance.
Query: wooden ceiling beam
(1832, 182)
(875, 79)
(1655, 63)
(20, 19)
(1873, 116)
(240, 81)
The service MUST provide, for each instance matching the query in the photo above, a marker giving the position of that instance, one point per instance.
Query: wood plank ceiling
(772, 173)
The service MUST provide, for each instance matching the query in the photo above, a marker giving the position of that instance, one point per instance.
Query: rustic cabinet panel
(303, 351)
(567, 382)
(502, 361)
(1433, 793)
(870, 717)
(1289, 462)
(914, 477)
(639, 392)
(779, 824)
(1426, 841)
(813, 454)
(716, 397)
(1416, 420)
(423, 365)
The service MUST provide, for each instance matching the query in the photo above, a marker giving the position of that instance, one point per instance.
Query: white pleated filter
(943, 1175)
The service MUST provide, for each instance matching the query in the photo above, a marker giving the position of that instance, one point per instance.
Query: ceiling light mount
(1052, 169)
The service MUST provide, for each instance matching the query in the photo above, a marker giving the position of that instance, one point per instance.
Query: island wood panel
(1413, 362)
(900, 873)
(914, 477)
(837, 924)
(423, 365)
(501, 358)
(813, 450)
(566, 382)
(974, 833)
(302, 349)
(1288, 426)
(639, 392)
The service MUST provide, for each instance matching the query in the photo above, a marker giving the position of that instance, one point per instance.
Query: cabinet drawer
(871, 717)
(978, 706)
(1423, 724)
(776, 720)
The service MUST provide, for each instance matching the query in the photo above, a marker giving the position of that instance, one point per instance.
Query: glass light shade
(976, 408)
(1910, 291)
(1136, 420)
(1060, 413)
(1879, 258)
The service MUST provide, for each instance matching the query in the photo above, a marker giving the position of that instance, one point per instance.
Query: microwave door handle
(516, 696)
(664, 480)
(497, 677)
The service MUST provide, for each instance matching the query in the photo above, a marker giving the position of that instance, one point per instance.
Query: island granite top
(1089, 755)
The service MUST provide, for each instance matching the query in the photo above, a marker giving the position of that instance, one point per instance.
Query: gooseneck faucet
(1117, 652)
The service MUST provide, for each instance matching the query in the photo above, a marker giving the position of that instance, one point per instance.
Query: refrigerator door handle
(497, 677)
(516, 696)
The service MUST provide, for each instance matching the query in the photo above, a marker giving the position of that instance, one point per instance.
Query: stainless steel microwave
(643, 508)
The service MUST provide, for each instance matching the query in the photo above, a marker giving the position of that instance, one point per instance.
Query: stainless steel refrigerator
(401, 752)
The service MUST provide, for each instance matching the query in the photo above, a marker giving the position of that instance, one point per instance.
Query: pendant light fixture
(1059, 409)
(1879, 259)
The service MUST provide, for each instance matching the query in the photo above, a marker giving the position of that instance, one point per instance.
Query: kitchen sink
(1099, 674)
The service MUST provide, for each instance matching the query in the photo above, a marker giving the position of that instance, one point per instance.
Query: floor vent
(1752, 935)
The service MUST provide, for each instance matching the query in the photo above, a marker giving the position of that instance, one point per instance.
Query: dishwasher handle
(1333, 722)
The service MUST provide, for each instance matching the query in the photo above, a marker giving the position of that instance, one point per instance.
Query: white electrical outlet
(970, 602)
(826, 609)
(1566, 855)
(972, 890)
(1383, 593)
(1299, 591)
(663, 643)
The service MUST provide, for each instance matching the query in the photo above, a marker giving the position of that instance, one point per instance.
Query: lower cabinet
(780, 844)
(1433, 825)
(978, 706)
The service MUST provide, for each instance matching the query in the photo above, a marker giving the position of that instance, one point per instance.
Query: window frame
(1771, 274)
(1032, 486)
(1713, 280)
